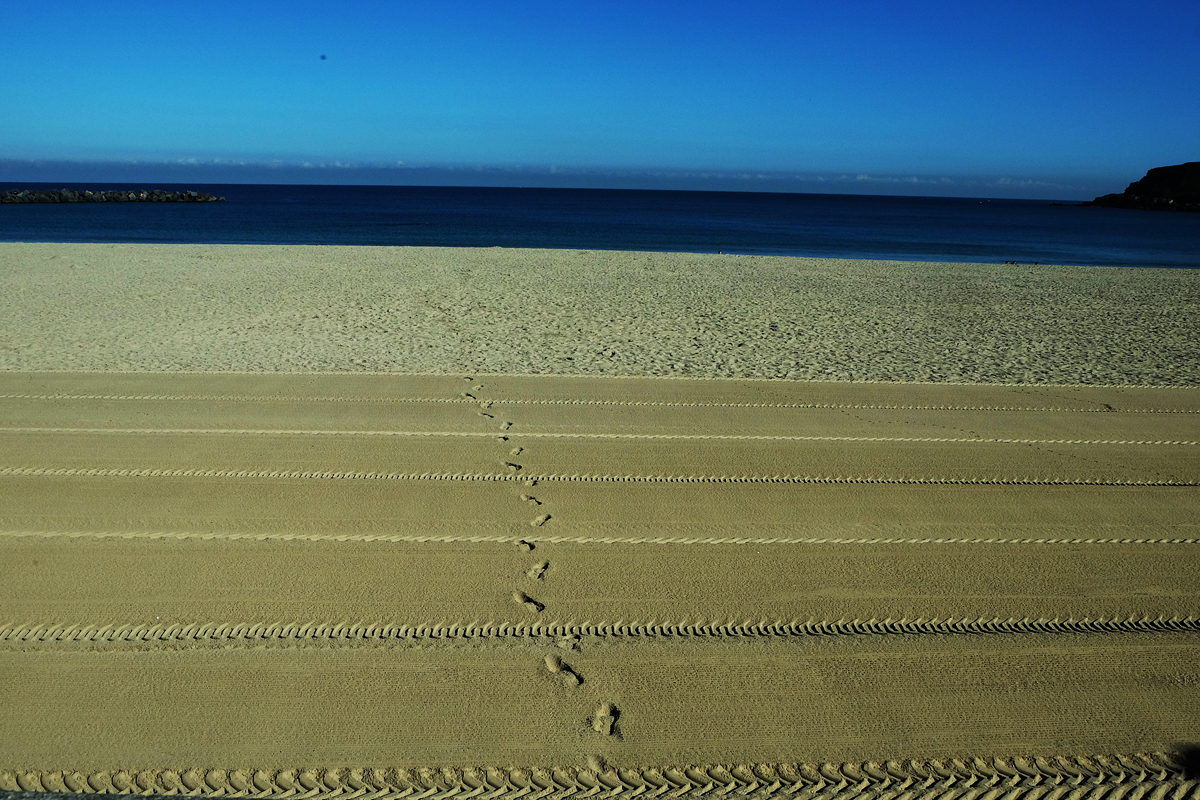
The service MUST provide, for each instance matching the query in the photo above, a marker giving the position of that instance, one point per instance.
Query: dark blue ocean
(834, 226)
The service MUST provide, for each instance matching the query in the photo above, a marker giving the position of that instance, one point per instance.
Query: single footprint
(527, 601)
(555, 666)
(485, 414)
(537, 571)
(605, 719)
(525, 546)
(512, 467)
(516, 451)
(540, 520)
(530, 482)
(528, 498)
(505, 426)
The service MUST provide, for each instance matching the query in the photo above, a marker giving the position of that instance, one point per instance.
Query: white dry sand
(169, 308)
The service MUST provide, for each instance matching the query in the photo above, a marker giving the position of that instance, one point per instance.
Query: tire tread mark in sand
(859, 406)
(530, 480)
(1081, 457)
(381, 633)
(634, 403)
(735, 437)
(674, 540)
(967, 778)
(236, 398)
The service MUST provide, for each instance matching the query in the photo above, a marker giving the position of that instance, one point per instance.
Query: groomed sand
(226, 573)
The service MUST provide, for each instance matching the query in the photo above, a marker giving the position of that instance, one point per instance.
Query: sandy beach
(168, 308)
(419, 522)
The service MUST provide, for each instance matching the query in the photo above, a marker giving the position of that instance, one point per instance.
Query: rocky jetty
(1174, 188)
(109, 196)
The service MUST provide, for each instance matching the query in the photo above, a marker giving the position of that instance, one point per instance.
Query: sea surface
(818, 225)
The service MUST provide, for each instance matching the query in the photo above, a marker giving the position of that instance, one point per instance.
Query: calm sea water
(835, 226)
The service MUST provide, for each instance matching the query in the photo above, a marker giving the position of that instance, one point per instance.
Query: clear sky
(1019, 98)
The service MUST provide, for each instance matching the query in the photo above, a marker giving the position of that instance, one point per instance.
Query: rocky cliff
(1174, 188)
(111, 196)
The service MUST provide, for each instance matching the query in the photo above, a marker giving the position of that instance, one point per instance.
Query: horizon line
(308, 172)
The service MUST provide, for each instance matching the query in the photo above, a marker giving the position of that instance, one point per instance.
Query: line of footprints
(604, 720)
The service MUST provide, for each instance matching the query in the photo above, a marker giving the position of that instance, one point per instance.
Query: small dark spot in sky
(322, 56)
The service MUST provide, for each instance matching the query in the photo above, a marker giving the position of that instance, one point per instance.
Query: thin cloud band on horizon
(401, 172)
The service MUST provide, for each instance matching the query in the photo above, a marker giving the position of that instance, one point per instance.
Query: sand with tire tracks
(228, 570)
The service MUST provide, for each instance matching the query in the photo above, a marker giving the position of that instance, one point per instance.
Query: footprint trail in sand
(496, 585)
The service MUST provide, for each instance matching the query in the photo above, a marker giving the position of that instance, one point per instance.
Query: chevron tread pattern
(387, 633)
(1141, 775)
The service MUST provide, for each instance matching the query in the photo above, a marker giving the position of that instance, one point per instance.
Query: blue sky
(1013, 99)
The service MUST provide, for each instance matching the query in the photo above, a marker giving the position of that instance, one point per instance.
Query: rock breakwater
(108, 196)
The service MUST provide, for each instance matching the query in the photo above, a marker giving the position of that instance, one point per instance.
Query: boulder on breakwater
(107, 196)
